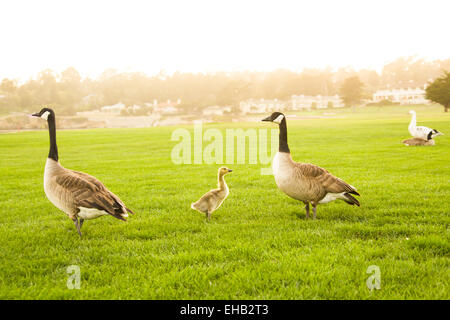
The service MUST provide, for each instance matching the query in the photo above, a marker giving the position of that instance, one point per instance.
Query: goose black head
(276, 117)
(45, 113)
(435, 133)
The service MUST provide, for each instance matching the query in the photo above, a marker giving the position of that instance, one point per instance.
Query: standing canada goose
(303, 181)
(212, 200)
(421, 131)
(419, 141)
(78, 194)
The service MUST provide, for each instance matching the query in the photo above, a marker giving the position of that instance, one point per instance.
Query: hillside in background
(68, 93)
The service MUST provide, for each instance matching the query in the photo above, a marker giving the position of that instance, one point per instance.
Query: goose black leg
(77, 225)
(81, 223)
(307, 209)
(314, 211)
(208, 215)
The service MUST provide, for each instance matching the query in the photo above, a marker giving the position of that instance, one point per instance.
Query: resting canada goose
(419, 141)
(78, 194)
(421, 131)
(303, 181)
(212, 200)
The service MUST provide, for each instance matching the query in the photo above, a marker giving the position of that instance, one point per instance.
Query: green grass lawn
(258, 245)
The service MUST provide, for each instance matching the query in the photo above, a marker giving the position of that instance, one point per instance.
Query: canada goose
(303, 181)
(78, 194)
(419, 141)
(212, 200)
(421, 131)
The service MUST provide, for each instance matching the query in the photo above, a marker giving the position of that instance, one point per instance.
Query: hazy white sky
(192, 36)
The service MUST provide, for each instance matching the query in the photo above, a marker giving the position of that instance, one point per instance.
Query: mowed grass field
(258, 245)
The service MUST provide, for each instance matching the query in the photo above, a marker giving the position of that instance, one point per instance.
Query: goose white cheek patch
(45, 115)
(279, 119)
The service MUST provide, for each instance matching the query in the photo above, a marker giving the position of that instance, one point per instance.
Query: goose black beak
(229, 170)
(36, 114)
(267, 119)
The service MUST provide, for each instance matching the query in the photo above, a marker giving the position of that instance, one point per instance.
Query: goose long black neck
(283, 144)
(53, 153)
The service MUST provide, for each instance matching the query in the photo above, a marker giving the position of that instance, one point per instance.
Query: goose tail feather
(351, 200)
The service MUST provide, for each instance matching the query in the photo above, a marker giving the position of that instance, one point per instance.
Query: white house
(215, 110)
(163, 104)
(134, 108)
(299, 102)
(261, 105)
(402, 96)
(114, 109)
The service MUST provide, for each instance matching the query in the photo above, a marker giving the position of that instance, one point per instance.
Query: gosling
(419, 141)
(212, 200)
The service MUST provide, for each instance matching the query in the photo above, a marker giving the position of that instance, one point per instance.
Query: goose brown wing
(335, 185)
(86, 191)
(310, 170)
(329, 182)
(100, 185)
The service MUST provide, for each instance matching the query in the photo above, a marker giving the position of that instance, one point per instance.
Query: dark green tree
(351, 91)
(439, 91)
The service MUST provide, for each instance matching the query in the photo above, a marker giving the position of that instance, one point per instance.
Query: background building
(402, 96)
(261, 105)
(299, 102)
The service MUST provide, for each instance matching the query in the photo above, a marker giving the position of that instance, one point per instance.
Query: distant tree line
(68, 92)
(439, 91)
